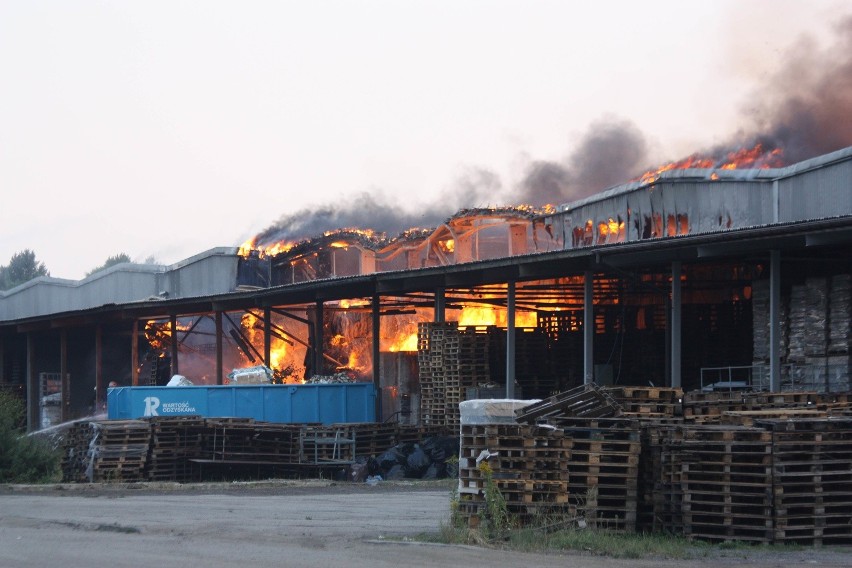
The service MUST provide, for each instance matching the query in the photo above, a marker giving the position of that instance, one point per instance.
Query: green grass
(604, 543)
(599, 542)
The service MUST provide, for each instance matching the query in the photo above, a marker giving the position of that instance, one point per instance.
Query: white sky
(166, 128)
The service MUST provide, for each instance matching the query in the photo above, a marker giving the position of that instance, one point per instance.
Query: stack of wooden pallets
(119, 450)
(326, 445)
(812, 480)
(174, 440)
(648, 402)
(529, 466)
(434, 356)
(726, 483)
(604, 475)
(75, 452)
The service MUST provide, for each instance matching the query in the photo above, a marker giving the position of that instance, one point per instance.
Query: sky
(163, 129)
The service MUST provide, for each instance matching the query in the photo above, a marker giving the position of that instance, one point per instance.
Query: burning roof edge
(715, 174)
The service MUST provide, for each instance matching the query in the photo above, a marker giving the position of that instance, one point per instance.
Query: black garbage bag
(429, 445)
(441, 448)
(390, 458)
(435, 471)
(405, 448)
(373, 467)
(358, 471)
(417, 463)
(396, 472)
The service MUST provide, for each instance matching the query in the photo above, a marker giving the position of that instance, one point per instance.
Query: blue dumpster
(292, 404)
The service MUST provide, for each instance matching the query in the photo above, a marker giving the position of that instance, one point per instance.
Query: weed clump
(23, 459)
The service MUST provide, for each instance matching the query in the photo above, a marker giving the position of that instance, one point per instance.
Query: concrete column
(676, 325)
(510, 340)
(588, 328)
(775, 321)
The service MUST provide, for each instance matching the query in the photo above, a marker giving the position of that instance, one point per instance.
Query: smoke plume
(805, 109)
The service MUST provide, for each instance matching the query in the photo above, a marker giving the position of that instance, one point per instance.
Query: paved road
(325, 525)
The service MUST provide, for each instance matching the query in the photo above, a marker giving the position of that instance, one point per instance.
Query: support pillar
(588, 328)
(134, 353)
(377, 375)
(676, 325)
(220, 366)
(100, 391)
(510, 339)
(318, 338)
(174, 346)
(64, 379)
(774, 321)
(440, 304)
(33, 388)
(267, 337)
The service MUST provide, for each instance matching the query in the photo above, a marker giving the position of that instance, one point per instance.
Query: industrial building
(691, 278)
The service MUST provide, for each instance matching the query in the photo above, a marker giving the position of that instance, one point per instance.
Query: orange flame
(264, 250)
(476, 316)
(754, 157)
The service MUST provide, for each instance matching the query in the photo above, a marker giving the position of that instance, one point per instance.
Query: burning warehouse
(686, 277)
(642, 336)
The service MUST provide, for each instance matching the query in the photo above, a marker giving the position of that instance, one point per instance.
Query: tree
(111, 261)
(22, 267)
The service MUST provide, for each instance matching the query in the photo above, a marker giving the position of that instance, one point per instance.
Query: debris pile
(335, 379)
(192, 448)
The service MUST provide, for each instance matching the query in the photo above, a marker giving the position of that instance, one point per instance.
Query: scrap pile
(759, 467)
(183, 448)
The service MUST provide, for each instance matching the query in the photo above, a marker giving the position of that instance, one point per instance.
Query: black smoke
(806, 107)
(609, 153)
(475, 187)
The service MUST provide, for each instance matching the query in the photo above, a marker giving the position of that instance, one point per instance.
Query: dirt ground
(280, 523)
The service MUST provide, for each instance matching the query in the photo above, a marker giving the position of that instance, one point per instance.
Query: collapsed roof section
(467, 236)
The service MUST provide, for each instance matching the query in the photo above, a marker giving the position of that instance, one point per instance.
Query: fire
(159, 333)
(476, 316)
(365, 233)
(754, 157)
(404, 343)
(447, 245)
(264, 250)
